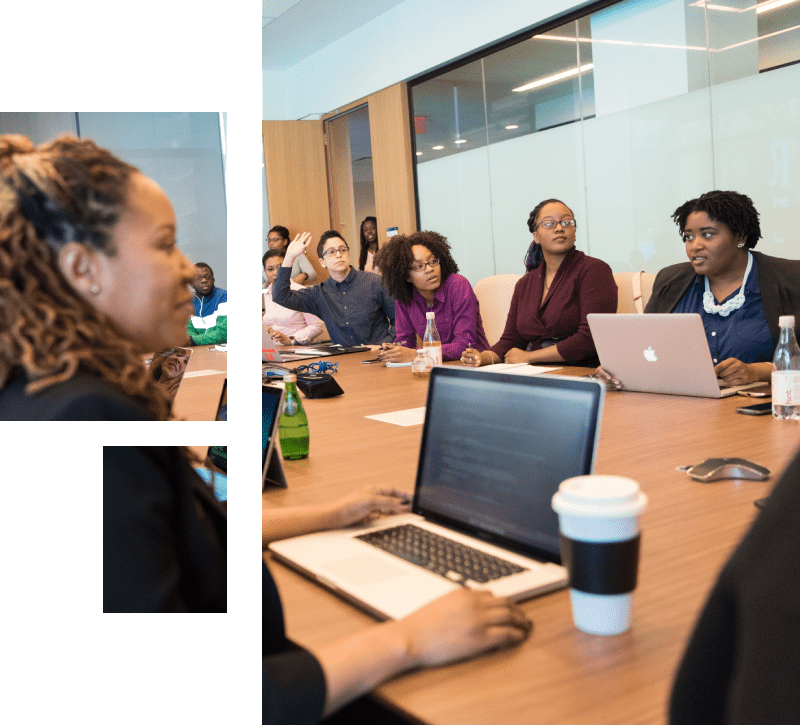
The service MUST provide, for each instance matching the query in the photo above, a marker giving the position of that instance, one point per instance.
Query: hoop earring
(740, 245)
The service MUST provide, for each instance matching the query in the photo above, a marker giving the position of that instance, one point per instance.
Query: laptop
(271, 407)
(271, 354)
(494, 450)
(658, 353)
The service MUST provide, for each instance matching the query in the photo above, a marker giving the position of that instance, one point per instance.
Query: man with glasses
(354, 305)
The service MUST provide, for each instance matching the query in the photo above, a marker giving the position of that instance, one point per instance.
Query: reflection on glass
(168, 367)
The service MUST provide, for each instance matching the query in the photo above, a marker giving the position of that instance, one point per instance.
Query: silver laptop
(494, 450)
(658, 353)
(271, 354)
(271, 407)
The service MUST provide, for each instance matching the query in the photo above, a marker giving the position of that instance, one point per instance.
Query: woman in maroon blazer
(547, 319)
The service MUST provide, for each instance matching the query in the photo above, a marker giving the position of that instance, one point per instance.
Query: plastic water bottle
(786, 376)
(421, 365)
(431, 340)
(293, 425)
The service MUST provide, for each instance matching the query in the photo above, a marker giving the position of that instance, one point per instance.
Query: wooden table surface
(560, 676)
(198, 397)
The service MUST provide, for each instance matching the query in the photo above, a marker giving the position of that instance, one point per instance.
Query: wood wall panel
(392, 162)
(297, 179)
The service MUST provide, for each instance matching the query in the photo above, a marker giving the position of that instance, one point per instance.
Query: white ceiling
(292, 30)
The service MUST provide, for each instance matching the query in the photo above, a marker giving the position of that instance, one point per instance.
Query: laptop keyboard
(441, 555)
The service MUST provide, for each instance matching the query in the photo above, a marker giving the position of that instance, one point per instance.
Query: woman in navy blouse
(739, 294)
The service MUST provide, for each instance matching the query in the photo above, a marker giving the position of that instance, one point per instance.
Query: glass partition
(624, 114)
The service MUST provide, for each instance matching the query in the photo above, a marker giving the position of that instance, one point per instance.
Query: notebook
(658, 353)
(494, 450)
(271, 407)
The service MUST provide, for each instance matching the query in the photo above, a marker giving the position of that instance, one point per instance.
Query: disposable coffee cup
(598, 517)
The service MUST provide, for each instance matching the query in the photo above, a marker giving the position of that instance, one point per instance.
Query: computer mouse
(715, 469)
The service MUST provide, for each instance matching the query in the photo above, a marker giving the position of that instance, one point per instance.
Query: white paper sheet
(405, 418)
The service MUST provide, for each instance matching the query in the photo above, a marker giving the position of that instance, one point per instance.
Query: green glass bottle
(293, 425)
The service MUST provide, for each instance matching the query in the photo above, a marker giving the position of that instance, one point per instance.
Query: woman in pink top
(419, 272)
(547, 319)
(285, 326)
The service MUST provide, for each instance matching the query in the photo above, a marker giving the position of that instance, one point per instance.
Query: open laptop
(271, 464)
(494, 450)
(658, 353)
(271, 354)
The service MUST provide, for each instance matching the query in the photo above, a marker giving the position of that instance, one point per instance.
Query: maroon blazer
(582, 285)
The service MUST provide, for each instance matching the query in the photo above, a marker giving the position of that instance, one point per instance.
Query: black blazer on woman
(164, 534)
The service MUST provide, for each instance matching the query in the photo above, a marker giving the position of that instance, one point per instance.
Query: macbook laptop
(494, 450)
(271, 464)
(271, 354)
(658, 353)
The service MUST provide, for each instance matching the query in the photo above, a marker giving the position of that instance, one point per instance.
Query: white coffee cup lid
(599, 496)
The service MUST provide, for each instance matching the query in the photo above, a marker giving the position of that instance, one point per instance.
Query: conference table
(199, 391)
(560, 675)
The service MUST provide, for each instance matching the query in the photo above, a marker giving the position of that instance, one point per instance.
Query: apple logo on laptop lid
(650, 354)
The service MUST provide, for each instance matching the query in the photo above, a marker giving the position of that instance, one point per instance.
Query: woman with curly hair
(90, 280)
(738, 293)
(421, 275)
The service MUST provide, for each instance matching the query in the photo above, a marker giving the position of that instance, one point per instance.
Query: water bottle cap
(290, 378)
(786, 321)
(430, 315)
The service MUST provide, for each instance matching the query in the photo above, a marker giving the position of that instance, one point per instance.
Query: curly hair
(68, 190)
(397, 258)
(734, 210)
(362, 255)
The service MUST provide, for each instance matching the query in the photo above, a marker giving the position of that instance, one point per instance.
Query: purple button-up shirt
(458, 318)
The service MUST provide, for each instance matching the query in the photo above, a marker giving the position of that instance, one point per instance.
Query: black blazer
(164, 534)
(82, 397)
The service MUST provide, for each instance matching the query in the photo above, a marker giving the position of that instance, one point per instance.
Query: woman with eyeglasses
(420, 274)
(739, 294)
(547, 319)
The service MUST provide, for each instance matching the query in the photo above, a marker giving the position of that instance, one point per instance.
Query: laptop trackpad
(364, 570)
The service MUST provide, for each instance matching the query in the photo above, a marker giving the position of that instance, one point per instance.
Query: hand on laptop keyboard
(368, 503)
(459, 625)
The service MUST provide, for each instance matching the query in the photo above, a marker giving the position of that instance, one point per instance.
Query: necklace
(734, 303)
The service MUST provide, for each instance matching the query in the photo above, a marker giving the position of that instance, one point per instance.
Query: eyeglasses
(318, 368)
(551, 224)
(419, 267)
(275, 240)
(204, 277)
(331, 252)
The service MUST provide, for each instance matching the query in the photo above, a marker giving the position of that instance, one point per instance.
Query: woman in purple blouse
(420, 274)
(547, 319)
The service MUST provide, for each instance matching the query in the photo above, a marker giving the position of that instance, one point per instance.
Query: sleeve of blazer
(740, 666)
(141, 568)
(293, 684)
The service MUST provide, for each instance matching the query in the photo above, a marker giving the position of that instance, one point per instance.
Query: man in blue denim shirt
(354, 305)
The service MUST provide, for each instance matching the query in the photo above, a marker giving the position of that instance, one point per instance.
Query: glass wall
(181, 151)
(623, 114)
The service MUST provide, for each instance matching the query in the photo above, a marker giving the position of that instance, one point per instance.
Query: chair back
(635, 289)
(494, 297)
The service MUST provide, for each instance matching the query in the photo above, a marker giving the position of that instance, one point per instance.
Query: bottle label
(786, 387)
(434, 352)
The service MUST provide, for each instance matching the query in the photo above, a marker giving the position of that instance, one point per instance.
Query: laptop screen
(495, 448)
(270, 410)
